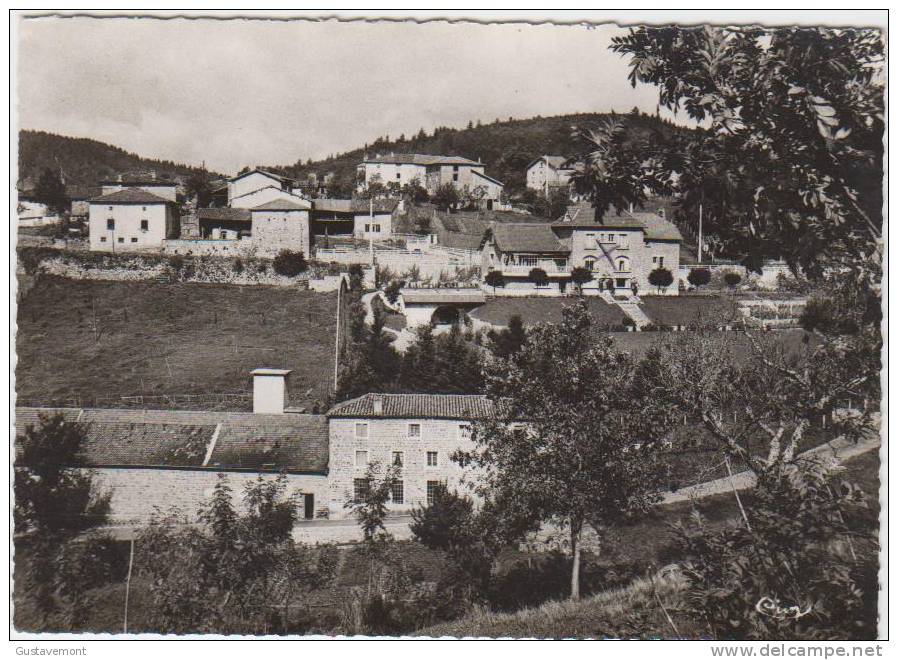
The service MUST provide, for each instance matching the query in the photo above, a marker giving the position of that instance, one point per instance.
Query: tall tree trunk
(576, 526)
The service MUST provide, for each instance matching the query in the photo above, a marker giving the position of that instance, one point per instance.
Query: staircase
(631, 308)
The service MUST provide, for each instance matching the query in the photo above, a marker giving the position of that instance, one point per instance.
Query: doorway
(309, 506)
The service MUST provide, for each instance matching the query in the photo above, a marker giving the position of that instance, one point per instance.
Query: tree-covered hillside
(85, 162)
(505, 147)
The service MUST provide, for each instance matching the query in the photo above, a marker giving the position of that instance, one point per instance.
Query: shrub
(538, 276)
(495, 278)
(661, 278)
(356, 277)
(581, 276)
(699, 276)
(289, 263)
(731, 278)
(392, 291)
(176, 263)
(238, 265)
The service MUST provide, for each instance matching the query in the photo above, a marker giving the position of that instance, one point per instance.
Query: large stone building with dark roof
(619, 250)
(153, 460)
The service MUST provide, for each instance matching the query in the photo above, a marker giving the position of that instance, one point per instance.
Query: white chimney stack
(270, 390)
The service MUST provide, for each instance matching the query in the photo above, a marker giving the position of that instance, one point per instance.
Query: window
(110, 223)
(433, 459)
(431, 491)
(623, 241)
(134, 239)
(414, 430)
(464, 431)
(397, 492)
(110, 208)
(528, 260)
(589, 264)
(144, 208)
(144, 225)
(398, 175)
(455, 176)
(121, 239)
(102, 239)
(360, 488)
(361, 458)
(397, 459)
(660, 262)
(375, 228)
(621, 282)
(623, 265)
(361, 431)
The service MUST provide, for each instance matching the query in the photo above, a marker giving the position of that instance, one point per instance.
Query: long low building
(152, 460)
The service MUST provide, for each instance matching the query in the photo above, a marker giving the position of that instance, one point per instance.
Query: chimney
(378, 404)
(270, 390)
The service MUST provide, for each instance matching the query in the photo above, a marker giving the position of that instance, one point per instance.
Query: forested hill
(85, 162)
(505, 147)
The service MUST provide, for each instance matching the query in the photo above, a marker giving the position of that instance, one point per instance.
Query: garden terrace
(694, 311)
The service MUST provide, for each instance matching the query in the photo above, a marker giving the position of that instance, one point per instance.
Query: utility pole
(699, 233)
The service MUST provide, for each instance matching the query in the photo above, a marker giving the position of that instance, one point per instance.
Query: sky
(244, 92)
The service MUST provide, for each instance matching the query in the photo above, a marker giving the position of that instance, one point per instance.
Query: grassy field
(686, 310)
(96, 341)
(541, 310)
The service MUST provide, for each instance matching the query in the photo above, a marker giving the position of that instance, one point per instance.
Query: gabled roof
(654, 226)
(421, 159)
(555, 162)
(489, 178)
(415, 406)
(130, 196)
(136, 182)
(225, 213)
(182, 439)
(527, 237)
(257, 170)
(280, 205)
(381, 205)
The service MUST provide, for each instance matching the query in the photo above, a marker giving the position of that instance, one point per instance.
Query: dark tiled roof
(555, 162)
(653, 225)
(273, 442)
(280, 205)
(131, 196)
(421, 159)
(416, 406)
(527, 237)
(443, 296)
(126, 181)
(180, 438)
(224, 213)
(488, 178)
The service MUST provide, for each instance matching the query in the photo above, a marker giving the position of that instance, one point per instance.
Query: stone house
(132, 220)
(548, 172)
(433, 172)
(360, 218)
(620, 249)
(417, 433)
(281, 224)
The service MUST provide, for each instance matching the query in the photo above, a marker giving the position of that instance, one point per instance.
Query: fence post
(128, 584)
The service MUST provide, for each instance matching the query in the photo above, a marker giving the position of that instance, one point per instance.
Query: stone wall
(138, 492)
(386, 436)
(273, 231)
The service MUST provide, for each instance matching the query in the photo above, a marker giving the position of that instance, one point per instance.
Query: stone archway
(446, 315)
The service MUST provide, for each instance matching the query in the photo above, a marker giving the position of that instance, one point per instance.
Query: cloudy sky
(240, 92)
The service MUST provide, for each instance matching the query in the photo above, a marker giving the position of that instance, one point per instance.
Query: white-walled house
(255, 187)
(547, 172)
(131, 220)
(432, 172)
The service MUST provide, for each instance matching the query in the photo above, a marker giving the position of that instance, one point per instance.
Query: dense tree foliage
(791, 163)
(661, 278)
(50, 190)
(575, 435)
(239, 572)
(506, 342)
(699, 276)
